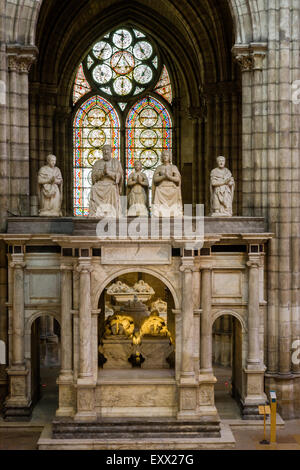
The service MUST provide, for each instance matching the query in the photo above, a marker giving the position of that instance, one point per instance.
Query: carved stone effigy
(222, 190)
(119, 325)
(124, 293)
(166, 189)
(107, 179)
(160, 306)
(119, 287)
(138, 192)
(155, 326)
(50, 189)
(133, 334)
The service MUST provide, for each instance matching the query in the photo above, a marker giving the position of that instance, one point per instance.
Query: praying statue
(166, 189)
(137, 192)
(222, 190)
(107, 180)
(50, 189)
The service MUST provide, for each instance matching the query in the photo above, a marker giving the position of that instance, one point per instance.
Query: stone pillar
(65, 380)
(253, 311)
(18, 404)
(20, 59)
(75, 312)
(197, 312)
(254, 370)
(85, 382)
(187, 383)
(207, 380)
(250, 58)
(206, 325)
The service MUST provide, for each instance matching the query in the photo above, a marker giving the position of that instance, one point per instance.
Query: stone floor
(17, 436)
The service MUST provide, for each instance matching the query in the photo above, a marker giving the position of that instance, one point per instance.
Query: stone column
(206, 325)
(197, 312)
(187, 383)
(75, 312)
(255, 370)
(20, 59)
(253, 311)
(245, 61)
(250, 58)
(85, 382)
(207, 380)
(18, 405)
(65, 380)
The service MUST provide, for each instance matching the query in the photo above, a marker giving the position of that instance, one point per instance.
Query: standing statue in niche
(137, 192)
(222, 190)
(166, 189)
(107, 180)
(50, 189)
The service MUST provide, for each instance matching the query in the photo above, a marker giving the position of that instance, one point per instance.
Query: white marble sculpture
(50, 189)
(137, 192)
(166, 189)
(222, 190)
(107, 180)
(142, 287)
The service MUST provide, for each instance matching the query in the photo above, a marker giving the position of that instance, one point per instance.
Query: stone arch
(120, 272)
(233, 313)
(23, 18)
(37, 315)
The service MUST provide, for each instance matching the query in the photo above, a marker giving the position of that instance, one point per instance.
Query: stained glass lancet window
(130, 92)
(148, 132)
(96, 123)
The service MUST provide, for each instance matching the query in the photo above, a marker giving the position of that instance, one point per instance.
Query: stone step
(146, 435)
(131, 429)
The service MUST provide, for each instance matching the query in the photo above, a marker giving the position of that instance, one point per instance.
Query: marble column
(206, 326)
(197, 312)
(253, 311)
(207, 380)
(254, 370)
(85, 383)
(18, 404)
(65, 380)
(187, 383)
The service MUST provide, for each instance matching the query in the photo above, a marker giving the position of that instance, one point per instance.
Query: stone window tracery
(121, 96)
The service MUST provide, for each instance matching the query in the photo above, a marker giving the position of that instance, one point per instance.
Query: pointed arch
(148, 132)
(96, 123)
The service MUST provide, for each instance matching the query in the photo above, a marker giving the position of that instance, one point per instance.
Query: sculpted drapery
(50, 189)
(137, 192)
(222, 190)
(166, 189)
(107, 180)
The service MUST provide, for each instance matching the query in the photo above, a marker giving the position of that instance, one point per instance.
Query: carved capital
(187, 268)
(85, 269)
(245, 61)
(250, 57)
(20, 59)
(17, 265)
(254, 262)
